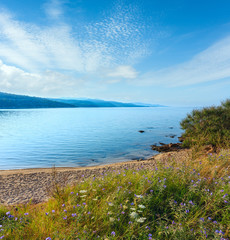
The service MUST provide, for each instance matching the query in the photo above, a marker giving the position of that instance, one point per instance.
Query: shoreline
(21, 186)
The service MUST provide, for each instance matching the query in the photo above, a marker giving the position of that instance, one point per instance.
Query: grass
(179, 200)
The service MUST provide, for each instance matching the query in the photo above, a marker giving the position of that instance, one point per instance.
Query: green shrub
(210, 125)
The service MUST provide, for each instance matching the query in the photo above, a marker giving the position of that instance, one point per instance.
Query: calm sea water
(83, 136)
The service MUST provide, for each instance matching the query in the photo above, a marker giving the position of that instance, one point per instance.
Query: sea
(77, 137)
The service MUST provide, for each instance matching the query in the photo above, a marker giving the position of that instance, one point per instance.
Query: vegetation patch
(210, 125)
(176, 200)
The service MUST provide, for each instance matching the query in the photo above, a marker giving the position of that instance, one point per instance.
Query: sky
(154, 51)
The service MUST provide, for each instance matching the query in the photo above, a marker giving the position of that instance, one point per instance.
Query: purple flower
(63, 205)
(2, 237)
(49, 238)
(113, 233)
(8, 213)
(53, 211)
(74, 214)
(65, 217)
(26, 214)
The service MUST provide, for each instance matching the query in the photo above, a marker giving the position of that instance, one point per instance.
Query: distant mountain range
(13, 101)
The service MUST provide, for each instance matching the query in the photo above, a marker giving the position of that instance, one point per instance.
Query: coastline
(35, 185)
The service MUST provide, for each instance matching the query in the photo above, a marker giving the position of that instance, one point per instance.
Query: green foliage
(210, 125)
(173, 200)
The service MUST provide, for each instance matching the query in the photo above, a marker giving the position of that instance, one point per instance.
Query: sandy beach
(35, 185)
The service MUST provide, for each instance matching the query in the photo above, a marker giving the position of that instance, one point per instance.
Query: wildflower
(53, 211)
(141, 220)
(141, 206)
(110, 204)
(74, 214)
(164, 186)
(49, 238)
(83, 196)
(111, 219)
(139, 196)
(65, 217)
(72, 193)
(113, 233)
(47, 213)
(130, 222)
(8, 213)
(83, 191)
(133, 215)
(26, 214)
(202, 219)
(2, 237)
(63, 205)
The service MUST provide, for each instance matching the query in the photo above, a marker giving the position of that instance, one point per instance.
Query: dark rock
(167, 147)
(181, 139)
(162, 144)
(171, 135)
(141, 131)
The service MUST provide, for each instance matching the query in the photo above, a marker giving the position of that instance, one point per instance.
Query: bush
(209, 126)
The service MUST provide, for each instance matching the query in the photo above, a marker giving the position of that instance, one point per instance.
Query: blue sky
(166, 52)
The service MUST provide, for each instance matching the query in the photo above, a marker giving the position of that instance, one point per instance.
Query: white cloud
(15, 80)
(53, 9)
(209, 65)
(123, 71)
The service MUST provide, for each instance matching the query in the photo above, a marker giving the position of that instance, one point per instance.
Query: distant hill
(12, 101)
(84, 102)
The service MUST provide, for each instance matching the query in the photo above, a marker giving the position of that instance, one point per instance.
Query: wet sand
(35, 185)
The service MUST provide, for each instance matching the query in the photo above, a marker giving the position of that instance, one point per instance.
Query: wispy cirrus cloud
(209, 65)
(107, 42)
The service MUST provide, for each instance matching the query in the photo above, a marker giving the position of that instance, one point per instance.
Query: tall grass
(179, 200)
